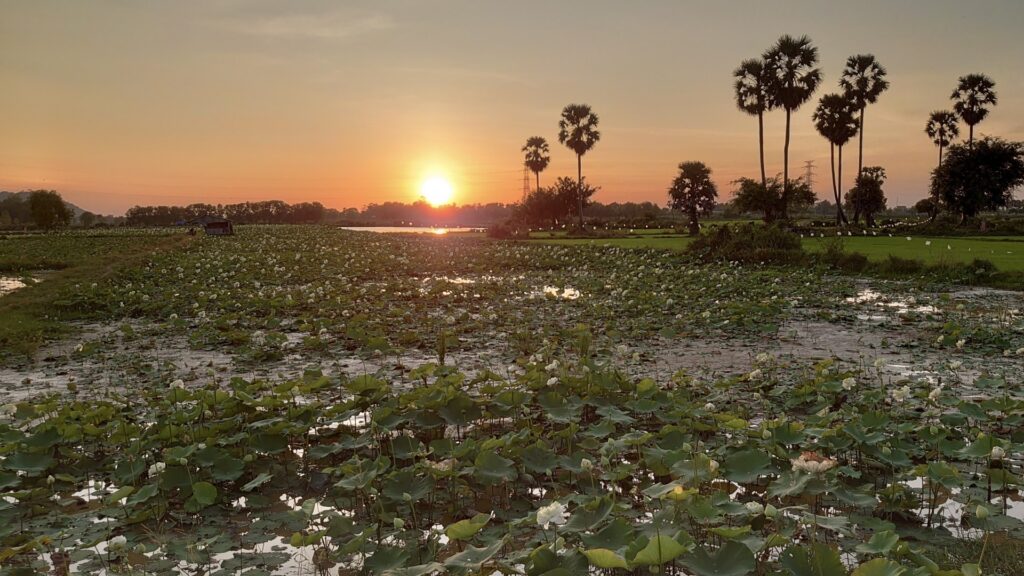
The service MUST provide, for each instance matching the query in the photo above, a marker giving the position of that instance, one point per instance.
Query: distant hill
(74, 209)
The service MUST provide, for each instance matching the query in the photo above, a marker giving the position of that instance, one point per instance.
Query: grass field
(1007, 253)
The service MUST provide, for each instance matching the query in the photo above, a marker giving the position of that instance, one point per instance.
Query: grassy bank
(39, 312)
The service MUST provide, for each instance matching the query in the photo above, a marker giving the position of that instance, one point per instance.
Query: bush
(749, 243)
(836, 257)
(507, 231)
(897, 265)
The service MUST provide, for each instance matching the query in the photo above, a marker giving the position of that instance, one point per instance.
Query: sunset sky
(117, 103)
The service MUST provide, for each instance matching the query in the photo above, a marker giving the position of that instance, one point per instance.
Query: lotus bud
(771, 511)
(981, 512)
(399, 524)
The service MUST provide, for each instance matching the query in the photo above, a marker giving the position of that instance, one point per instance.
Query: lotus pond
(309, 400)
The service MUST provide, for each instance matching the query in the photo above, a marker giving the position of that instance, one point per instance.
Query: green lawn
(658, 242)
(1007, 253)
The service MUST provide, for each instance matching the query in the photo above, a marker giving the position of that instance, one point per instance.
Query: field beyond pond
(311, 400)
(1006, 253)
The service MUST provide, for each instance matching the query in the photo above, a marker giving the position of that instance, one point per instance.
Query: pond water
(441, 230)
(9, 284)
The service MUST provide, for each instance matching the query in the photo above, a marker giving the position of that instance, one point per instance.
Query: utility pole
(526, 182)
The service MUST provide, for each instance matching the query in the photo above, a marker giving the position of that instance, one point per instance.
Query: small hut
(215, 225)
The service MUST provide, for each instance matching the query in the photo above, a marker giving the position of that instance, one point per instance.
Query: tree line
(785, 77)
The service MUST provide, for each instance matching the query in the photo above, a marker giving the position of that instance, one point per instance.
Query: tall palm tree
(973, 93)
(863, 81)
(537, 156)
(834, 118)
(754, 98)
(578, 131)
(793, 80)
(942, 129)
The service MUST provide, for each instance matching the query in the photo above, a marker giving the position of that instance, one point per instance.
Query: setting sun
(437, 191)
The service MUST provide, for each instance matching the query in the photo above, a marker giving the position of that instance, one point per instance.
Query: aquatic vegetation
(568, 448)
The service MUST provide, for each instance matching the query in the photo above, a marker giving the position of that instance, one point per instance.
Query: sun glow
(437, 190)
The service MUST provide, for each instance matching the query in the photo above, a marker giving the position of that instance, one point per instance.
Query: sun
(437, 190)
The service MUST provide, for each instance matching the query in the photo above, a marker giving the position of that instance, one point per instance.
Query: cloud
(332, 26)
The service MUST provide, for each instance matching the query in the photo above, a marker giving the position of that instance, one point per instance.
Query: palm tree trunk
(970, 142)
(860, 153)
(835, 188)
(940, 155)
(537, 174)
(579, 185)
(760, 141)
(839, 185)
(785, 172)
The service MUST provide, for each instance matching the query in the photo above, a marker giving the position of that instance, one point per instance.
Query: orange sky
(121, 103)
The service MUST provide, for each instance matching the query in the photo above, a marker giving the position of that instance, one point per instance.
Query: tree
(862, 82)
(928, 206)
(973, 93)
(48, 209)
(693, 193)
(754, 98)
(866, 197)
(578, 131)
(793, 80)
(769, 200)
(835, 121)
(569, 193)
(537, 156)
(982, 177)
(942, 129)
(86, 219)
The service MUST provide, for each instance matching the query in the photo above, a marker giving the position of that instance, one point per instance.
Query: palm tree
(753, 97)
(537, 156)
(972, 94)
(793, 80)
(942, 129)
(863, 81)
(578, 131)
(834, 119)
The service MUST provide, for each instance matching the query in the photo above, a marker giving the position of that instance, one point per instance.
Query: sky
(120, 103)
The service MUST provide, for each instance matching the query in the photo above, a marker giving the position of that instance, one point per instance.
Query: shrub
(897, 265)
(749, 243)
(506, 231)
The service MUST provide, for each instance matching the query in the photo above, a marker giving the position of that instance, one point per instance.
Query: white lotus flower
(762, 357)
(117, 543)
(709, 407)
(755, 374)
(812, 463)
(157, 468)
(552, 381)
(997, 453)
(901, 394)
(960, 344)
(9, 409)
(554, 513)
(552, 367)
(179, 383)
(849, 383)
(955, 365)
(935, 393)
(754, 508)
